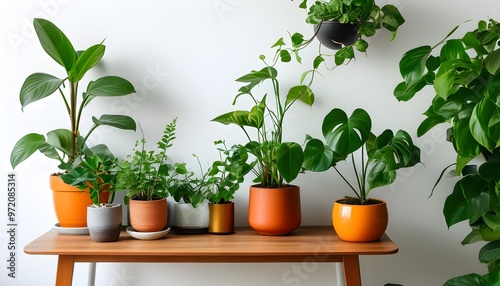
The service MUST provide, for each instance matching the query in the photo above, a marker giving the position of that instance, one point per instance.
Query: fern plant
(146, 174)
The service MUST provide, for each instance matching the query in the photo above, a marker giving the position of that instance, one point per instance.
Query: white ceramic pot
(188, 219)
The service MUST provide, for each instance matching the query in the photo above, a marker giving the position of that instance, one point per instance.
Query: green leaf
(455, 207)
(55, 43)
(25, 147)
(87, 60)
(285, 56)
(464, 142)
(317, 156)
(259, 76)
(361, 45)
(61, 139)
(278, 43)
(492, 61)
(453, 50)
(490, 252)
(317, 61)
(428, 124)
(302, 93)
(467, 280)
(412, 65)
(110, 86)
(297, 39)
(345, 134)
(38, 86)
(289, 160)
(485, 123)
(492, 220)
(119, 121)
(444, 82)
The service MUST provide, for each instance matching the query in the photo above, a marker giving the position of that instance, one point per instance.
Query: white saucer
(147, 235)
(71, 230)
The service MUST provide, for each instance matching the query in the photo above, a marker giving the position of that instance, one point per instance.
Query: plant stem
(74, 118)
(345, 180)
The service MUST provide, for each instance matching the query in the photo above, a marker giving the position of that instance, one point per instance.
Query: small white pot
(188, 219)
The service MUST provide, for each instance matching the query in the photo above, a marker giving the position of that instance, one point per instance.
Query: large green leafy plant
(68, 146)
(278, 162)
(381, 156)
(464, 73)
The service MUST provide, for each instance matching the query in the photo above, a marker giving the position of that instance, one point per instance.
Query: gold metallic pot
(221, 218)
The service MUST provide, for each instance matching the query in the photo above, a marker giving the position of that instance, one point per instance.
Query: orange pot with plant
(274, 211)
(148, 216)
(70, 203)
(381, 156)
(358, 222)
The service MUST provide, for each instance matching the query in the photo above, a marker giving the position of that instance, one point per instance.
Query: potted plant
(342, 24)
(274, 204)
(94, 171)
(464, 73)
(67, 145)
(146, 175)
(224, 178)
(360, 218)
(191, 212)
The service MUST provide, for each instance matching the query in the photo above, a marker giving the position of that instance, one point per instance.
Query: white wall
(183, 57)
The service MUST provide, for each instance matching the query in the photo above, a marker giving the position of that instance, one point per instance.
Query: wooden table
(306, 244)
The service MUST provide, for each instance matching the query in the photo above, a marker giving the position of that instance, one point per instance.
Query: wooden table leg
(351, 270)
(65, 266)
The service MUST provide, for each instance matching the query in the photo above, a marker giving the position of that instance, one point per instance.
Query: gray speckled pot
(104, 222)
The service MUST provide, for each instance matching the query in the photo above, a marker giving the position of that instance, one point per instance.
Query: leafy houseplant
(465, 76)
(68, 146)
(277, 162)
(362, 17)
(381, 157)
(147, 175)
(226, 174)
(224, 178)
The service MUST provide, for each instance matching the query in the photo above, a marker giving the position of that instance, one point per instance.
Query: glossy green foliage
(67, 145)
(227, 173)
(464, 73)
(381, 156)
(276, 162)
(147, 175)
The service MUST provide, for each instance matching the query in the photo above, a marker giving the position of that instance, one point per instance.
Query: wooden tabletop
(245, 245)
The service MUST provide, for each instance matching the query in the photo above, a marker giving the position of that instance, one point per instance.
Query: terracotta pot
(148, 216)
(221, 218)
(70, 203)
(274, 211)
(335, 35)
(104, 222)
(360, 223)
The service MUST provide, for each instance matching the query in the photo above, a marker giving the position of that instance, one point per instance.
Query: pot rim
(381, 202)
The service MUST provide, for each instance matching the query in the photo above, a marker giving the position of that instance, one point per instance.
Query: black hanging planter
(334, 35)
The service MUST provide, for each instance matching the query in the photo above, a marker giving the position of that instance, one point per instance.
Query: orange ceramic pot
(70, 203)
(274, 211)
(148, 216)
(360, 223)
